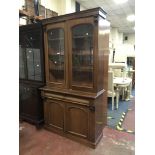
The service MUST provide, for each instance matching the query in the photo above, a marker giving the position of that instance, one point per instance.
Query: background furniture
(32, 12)
(111, 91)
(119, 69)
(31, 73)
(76, 58)
(125, 84)
(131, 66)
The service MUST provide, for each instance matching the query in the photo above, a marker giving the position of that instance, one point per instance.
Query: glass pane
(82, 55)
(21, 63)
(33, 64)
(33, 39)
(30, 63)
(37, 65)
(56, 54)
(31, 45)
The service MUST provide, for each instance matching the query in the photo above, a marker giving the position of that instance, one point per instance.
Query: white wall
(116, 38)
(21, 3)
(123, 51)
(50, 4)
(60, 6)
(69, 5)
(131, 38)
(73, 5)
(82, 8)
(122, 48)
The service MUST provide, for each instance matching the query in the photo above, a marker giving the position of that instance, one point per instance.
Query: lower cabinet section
(78, 118)
(30, 104)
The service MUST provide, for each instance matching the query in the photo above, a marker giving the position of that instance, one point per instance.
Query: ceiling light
(131, 18)
(120, 1)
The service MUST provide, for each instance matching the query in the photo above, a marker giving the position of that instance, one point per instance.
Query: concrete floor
(43, 142)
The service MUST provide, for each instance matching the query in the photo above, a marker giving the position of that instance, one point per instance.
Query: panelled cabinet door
(55, 54)
(29, 102)
(81, 48)
(54, 114)
(77, 120)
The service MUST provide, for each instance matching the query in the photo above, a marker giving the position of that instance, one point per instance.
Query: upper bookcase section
(82, 14)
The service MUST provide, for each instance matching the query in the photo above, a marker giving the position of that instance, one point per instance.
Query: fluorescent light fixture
(120, 1)
(131, 18)
(84, 0)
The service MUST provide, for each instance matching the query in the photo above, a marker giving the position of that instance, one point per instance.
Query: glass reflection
(21, 63)
(82, 55)
(56, 54)
(30, 56)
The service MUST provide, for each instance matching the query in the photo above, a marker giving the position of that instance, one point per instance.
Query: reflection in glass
(30, 63)
(30, 49)
(56, 54)
(82, 55)
(33, 64)
(37, 64)
(21, 63)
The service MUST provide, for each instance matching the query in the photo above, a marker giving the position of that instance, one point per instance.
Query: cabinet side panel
(103, 45)
(103, 52)
(92, 123)
(105, 85)
(99, 116)
(46, 112)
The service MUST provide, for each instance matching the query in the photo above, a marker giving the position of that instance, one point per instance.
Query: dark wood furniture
(76, 62)
(31, 73)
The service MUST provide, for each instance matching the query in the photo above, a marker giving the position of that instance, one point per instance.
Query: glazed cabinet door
(55, 55)
(54, 113)
(22, 63)
(30, 52)
(82, 56)
(77, 120)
